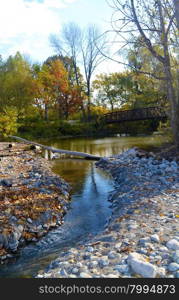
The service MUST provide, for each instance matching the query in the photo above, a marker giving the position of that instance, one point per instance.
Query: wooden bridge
(149, 113)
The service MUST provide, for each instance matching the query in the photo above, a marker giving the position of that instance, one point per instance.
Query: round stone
(173, 244)
(75, 271)
(85, 275)
(112, 255)
(155, 238)
(176, 257)
(103, 263)
(90, 249)
(122, 268)
(161, 272)
(173, 267)
(118, 246)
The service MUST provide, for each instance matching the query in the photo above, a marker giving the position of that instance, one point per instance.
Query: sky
(25, 25)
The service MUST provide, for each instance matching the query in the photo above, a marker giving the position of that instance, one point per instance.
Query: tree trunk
(176, 3)
(66, 108)
(174, 115)
(89, 101)
(171, 93)
(83, 112)
(112, 106)
(46, 112)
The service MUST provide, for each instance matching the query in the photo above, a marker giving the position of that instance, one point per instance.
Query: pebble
(176, 257)
(75, 271)
(29, 220)
(112, 255)
(63, 273)
(85, 275)
(173, 267)
(118, 246)
(145, 240)
(155, 238)
(161, 272)
(122, 268)
(90, 249)
(103, 263)
(173, 244)
(93, 264)
(163, 249)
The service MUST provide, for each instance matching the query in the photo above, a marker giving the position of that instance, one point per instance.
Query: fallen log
(55, 150)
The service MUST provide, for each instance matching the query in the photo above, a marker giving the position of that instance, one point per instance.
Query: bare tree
(80, 46)
(69, 44)
(92, 46)
(154, 22)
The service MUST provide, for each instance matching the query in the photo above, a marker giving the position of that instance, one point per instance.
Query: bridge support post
(46, 154)
(51, 155)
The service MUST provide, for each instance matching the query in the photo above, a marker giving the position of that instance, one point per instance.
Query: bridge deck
(137, 114)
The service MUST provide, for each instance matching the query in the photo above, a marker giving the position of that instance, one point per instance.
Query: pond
(90, 208)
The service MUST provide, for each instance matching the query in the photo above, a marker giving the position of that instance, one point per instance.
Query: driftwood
(61, 151)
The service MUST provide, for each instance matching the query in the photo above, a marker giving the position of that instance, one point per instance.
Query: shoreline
(33, 199)
(141, 238)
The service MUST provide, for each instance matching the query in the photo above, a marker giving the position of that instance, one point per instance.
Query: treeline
(41, 99)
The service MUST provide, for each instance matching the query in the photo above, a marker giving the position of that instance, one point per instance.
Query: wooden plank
(54, 150)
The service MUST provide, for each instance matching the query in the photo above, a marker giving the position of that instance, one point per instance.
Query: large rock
(173, 244)
(140, 266)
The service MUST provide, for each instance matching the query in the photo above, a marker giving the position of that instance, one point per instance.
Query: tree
(57, 89)
(92, 46)
(52, 85)
(148, 88)
(81, 47)
(16, 84)
(68, 49)
(127, 90)
(8, 122)
(113, 89)
(154, 22)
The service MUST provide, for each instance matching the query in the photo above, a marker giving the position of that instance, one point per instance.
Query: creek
(90, 209)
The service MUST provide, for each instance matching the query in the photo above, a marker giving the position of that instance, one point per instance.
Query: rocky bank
(141, 239)
(32, 198)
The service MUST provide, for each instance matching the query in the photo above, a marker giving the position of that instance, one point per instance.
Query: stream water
(90, 209)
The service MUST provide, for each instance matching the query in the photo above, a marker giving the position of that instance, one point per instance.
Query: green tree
(8, 122)
(113, 89)
(16, 85)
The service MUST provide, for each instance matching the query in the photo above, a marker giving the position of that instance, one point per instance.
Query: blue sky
(25, 25)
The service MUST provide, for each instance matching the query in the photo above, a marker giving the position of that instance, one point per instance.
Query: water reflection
(105, 146)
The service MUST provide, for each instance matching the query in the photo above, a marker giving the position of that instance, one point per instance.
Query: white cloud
(26, 25)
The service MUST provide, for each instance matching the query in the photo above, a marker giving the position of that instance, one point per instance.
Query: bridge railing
(135, 114)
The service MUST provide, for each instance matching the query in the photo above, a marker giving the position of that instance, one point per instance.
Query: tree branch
(146, 40)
